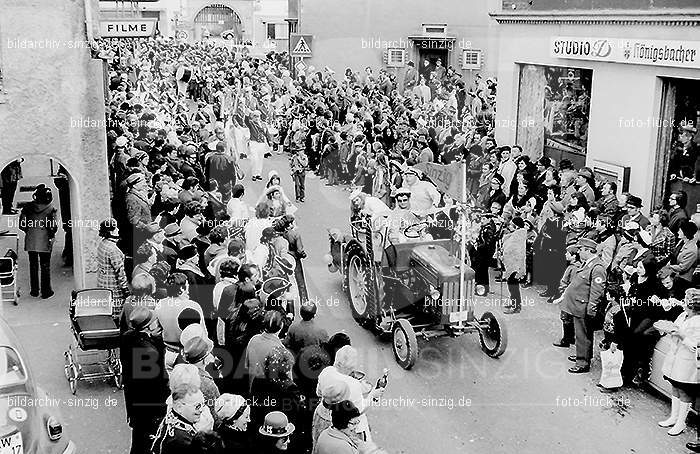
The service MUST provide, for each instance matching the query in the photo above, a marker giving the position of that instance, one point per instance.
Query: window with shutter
(396, 57)
(471, 59)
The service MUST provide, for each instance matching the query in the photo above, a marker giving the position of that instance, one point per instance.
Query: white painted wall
(619, 92)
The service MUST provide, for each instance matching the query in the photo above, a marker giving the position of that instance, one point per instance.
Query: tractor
(411, 289)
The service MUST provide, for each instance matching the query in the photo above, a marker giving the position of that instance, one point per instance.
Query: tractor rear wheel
(361, 290)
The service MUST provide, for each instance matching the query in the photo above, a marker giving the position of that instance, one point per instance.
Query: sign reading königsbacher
(127, 28)
(680, 54)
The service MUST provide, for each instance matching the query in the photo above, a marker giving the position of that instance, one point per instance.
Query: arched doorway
(217, 19)
(72, 228)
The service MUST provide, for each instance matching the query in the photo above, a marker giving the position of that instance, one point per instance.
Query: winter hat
(230, 407)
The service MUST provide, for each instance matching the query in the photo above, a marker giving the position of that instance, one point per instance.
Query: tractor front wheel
(493, 334)
(405, 344)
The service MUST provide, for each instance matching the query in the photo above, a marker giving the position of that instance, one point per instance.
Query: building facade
(391, 33)
(615, 89)
(258, 22)
(53, 106)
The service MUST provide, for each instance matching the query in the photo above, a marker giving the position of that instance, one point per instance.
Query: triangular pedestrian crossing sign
(301, 47)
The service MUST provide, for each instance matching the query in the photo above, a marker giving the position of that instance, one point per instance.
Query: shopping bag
(610, 374)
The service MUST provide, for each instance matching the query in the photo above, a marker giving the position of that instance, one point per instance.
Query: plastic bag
(610, 375)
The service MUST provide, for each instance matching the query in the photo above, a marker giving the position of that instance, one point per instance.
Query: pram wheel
(70, 371)
(115, 366)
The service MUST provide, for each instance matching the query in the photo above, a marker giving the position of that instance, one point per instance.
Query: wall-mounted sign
(127, 28)
(607, 171)
(680, 54)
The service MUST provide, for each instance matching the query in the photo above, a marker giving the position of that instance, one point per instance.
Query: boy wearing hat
(567, 321)
(583, 299)
(634, 212)
(583, 179)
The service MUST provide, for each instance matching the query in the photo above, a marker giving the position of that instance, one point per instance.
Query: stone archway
(89, 204)
(217, 19)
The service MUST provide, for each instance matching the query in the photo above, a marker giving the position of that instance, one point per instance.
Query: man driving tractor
(401, 218)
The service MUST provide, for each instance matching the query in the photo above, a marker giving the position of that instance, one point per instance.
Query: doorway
(214, 20)
(428, 61)
(678, 149)
(20, 179)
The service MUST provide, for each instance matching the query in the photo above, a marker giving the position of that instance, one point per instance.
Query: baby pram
(9, 245)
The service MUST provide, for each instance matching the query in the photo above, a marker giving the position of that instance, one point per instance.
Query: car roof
(8, 338)
(7, 334)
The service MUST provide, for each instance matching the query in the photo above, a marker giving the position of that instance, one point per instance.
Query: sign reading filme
(127, 28)
(679, 54)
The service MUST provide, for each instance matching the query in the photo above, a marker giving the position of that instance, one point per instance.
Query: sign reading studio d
(127, 28)
(680, 54)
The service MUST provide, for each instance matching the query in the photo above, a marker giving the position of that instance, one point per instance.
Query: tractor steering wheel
(416, 230)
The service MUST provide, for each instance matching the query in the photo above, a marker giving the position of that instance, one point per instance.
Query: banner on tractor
(447, 178)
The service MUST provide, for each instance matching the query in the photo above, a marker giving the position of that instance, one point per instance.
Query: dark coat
(201, 291)
(221, 168)
(38, 222)
(143, 375)
(285, 397)
(234, 441)
(174, 436)
(676, 216)
(498, 196)
(303, 334)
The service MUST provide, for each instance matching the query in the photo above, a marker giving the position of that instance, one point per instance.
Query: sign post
(300, 45)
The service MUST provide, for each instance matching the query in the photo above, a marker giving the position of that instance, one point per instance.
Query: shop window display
(567, 99)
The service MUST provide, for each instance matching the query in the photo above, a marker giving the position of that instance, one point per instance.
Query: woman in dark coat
(38, 222)
(642, 312)
(142, 354)
(549, 261)
(201, 286)
(278, 392)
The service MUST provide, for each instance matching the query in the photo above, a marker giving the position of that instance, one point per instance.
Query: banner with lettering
(638, 51)
(447, 178)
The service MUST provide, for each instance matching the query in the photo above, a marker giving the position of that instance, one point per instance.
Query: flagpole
(462, 271)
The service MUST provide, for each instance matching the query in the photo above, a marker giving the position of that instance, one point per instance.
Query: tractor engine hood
(434, 264)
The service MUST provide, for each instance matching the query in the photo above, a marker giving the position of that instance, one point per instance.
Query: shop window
(553, 110)
(567, 101)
